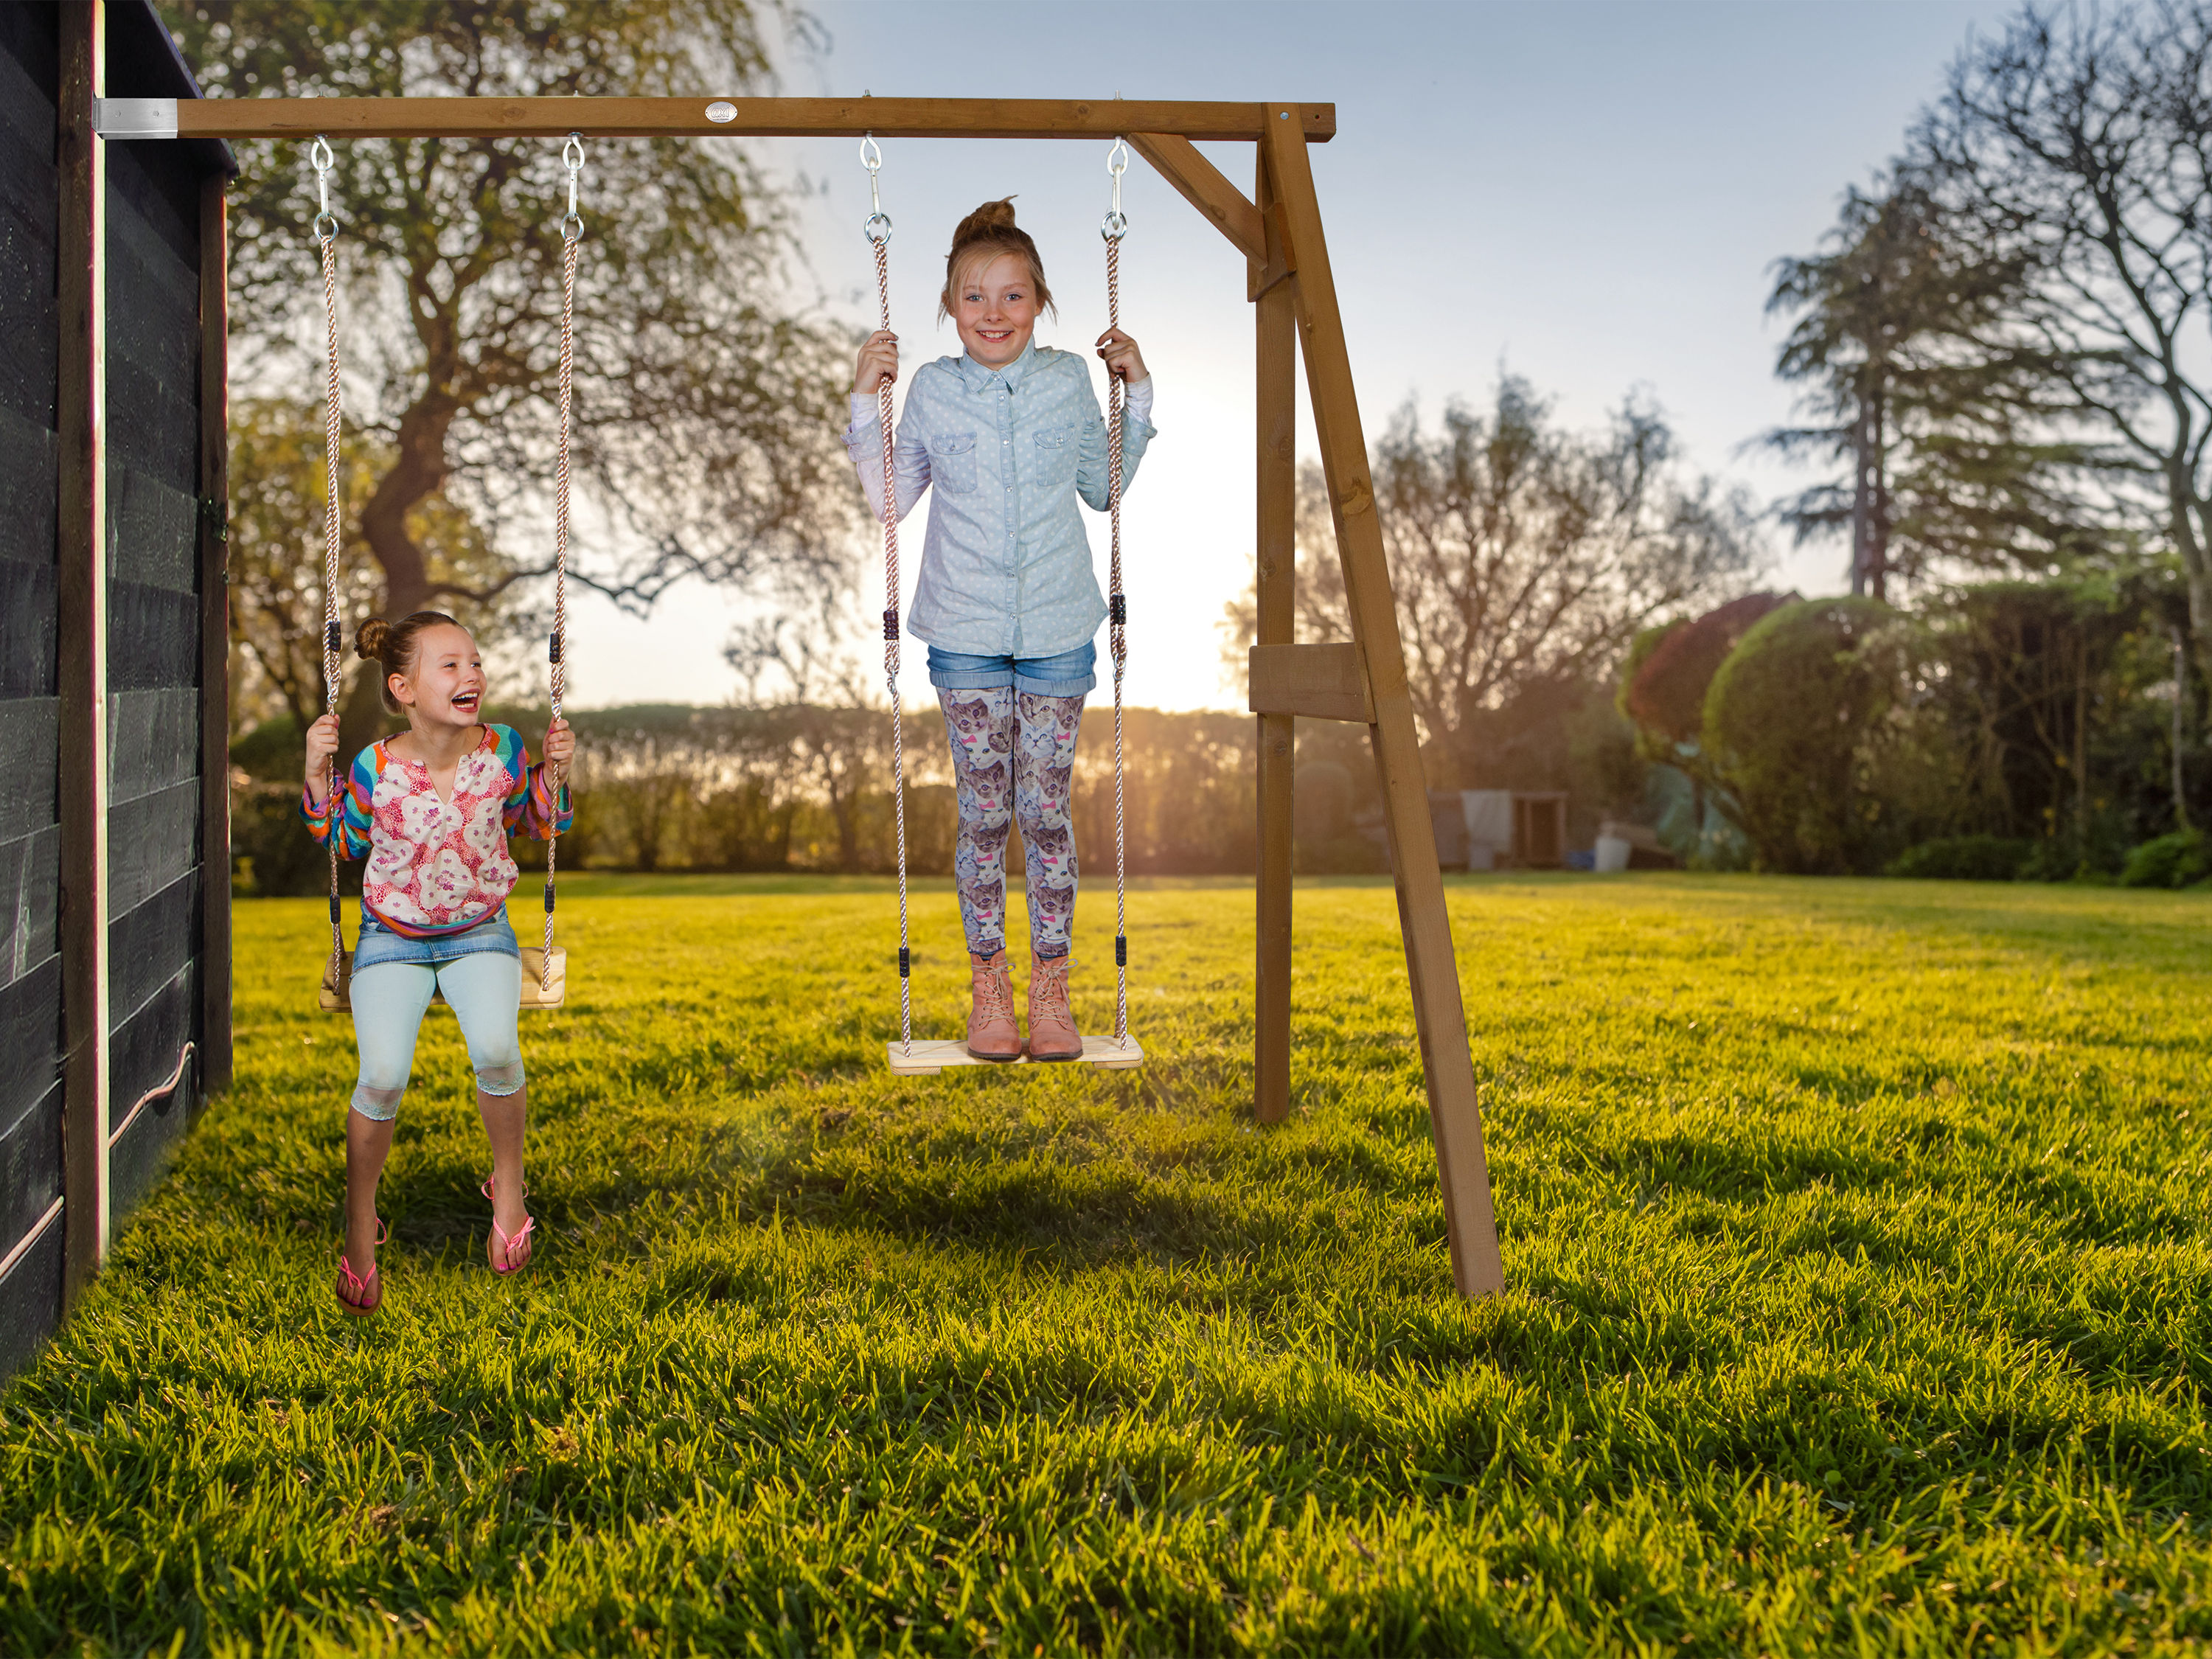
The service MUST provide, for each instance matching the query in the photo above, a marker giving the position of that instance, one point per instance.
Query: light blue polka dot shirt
(1006, 567)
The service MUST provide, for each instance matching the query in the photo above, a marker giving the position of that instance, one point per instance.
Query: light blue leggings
(484, 990)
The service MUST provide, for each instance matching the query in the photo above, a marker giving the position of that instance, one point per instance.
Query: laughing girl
(1011, 436)
(432, 809)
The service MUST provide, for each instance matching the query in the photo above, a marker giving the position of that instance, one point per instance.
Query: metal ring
(326, 227)
(573, 152)
(871, 154)
(1114, 226)
(1117, 159)
(322, 156)
(877, 230)
(571, 229)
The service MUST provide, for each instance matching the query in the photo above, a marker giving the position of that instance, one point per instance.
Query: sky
(1589, 195)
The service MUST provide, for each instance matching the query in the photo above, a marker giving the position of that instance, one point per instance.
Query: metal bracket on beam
(135, 117)
(1313, 682)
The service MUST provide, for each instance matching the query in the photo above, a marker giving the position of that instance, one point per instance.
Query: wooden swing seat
(338, 999)
(929, 1059)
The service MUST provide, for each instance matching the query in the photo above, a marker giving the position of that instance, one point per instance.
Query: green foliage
(1964, 858)
(1855, 1242)
(1808, 722)
(2181, 859)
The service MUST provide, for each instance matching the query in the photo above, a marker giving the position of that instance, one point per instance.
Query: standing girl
(1009, 433)
(432, 808)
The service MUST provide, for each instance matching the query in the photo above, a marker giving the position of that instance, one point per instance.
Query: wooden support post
(1276, 404)
(1455, 1113)
(214, 639)
(79, 405)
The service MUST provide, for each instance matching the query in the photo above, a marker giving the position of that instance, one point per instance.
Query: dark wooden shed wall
(160, 879)
(30, 834)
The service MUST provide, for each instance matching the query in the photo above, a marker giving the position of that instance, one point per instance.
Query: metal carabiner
(1115, 224)
(878, 225)
(326, 223)
(572, 154)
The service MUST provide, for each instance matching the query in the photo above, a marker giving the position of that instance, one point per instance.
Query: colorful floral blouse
(437, 866)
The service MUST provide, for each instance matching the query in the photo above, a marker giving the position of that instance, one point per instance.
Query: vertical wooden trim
(215, 637)
(1454, 1113)
(81, 581)
(1275, 404)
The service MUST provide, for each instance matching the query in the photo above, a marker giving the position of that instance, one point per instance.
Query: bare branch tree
(2079, 143)
(705, 413)
(1522, 558)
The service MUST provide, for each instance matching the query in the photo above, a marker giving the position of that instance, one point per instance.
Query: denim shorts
(378, 944)
(1070, 674)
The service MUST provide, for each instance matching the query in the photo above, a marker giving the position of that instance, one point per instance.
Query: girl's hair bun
(370, 639)
(991, 219)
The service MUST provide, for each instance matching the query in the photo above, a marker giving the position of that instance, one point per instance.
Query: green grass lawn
(1855, 1237)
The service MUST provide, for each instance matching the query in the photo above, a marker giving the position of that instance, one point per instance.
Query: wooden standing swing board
(927, 1058)
(1288, 279)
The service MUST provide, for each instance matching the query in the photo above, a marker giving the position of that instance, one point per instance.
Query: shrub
(2173, 860)
(1964, 858)
(1809, 723)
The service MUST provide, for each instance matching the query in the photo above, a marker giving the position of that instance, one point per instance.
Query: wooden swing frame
(1293, 295)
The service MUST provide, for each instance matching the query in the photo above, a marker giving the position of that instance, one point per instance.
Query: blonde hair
(395, 646)
(984, 235)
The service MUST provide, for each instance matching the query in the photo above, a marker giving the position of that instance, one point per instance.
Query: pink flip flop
(501, 1247)
(357, 1296)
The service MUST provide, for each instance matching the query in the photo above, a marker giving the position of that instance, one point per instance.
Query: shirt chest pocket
(952, 463)
(1055, 454)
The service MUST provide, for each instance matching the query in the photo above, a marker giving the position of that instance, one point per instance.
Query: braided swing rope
(877, 230)
(1113, 228)
(572, 234)
(326, 233)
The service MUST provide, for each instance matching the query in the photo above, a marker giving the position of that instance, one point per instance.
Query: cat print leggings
(1013, 757)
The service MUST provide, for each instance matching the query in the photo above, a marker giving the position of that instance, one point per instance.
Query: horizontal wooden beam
(1315, 682)
(1201, 183)
(705, 118)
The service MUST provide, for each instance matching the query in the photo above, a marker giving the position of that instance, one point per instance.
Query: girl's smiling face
(995, 309)
(446, 686)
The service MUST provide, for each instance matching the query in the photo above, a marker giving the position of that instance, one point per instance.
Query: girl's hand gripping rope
(559, 747)
(877, 363)
(1123, 361)
(322, 748)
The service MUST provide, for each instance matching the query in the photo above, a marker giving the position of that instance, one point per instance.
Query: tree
(2080, 145)
(704, 414)
(1940, 417)
(275, 563)
(1523, 558)
(1663, 682)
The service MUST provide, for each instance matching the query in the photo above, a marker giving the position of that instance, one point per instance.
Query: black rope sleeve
(1117, 609)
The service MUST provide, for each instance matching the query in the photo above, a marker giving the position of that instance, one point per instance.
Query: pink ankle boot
(1053, 1034)
(991, 1033)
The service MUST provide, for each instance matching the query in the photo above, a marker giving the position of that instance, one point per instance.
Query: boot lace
(994, 991)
